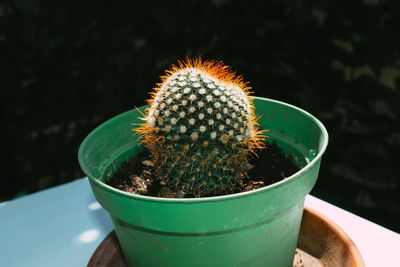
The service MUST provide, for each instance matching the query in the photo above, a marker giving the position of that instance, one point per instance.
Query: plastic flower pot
(255, 228)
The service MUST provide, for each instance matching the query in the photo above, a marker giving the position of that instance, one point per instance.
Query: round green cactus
(200, 129)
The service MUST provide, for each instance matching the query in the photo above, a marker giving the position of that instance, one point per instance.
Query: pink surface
(379, 247)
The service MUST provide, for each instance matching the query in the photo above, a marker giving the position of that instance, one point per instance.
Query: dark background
(67, 67)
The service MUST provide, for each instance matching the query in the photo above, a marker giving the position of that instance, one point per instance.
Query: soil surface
(271, 165)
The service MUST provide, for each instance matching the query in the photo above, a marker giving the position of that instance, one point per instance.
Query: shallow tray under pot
(321, 243)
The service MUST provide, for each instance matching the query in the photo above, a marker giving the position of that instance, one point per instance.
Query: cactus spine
(200, 128)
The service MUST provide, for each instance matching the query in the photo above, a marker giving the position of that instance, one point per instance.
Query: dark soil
(271, 166)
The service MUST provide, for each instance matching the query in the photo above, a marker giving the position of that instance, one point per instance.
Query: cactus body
(200, 129)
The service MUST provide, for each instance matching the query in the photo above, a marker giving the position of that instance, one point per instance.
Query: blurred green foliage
(67, 66)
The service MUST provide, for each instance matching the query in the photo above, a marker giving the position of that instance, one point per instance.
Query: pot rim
(324, 144)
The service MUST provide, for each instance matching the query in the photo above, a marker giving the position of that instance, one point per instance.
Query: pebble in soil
(270, 166)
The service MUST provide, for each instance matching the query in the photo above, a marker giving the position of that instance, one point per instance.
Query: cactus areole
(200, 129)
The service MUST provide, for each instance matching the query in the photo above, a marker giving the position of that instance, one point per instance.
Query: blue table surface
(61, 226)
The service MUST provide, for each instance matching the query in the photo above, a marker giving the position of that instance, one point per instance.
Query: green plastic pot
(256, 228)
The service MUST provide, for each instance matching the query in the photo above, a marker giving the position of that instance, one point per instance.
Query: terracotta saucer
(321, 243)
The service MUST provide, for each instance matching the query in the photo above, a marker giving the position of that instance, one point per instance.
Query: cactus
(201, 129)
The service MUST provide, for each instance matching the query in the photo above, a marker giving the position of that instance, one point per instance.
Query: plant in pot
(200, 128)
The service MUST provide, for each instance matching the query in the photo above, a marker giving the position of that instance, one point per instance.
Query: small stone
(147, 163)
